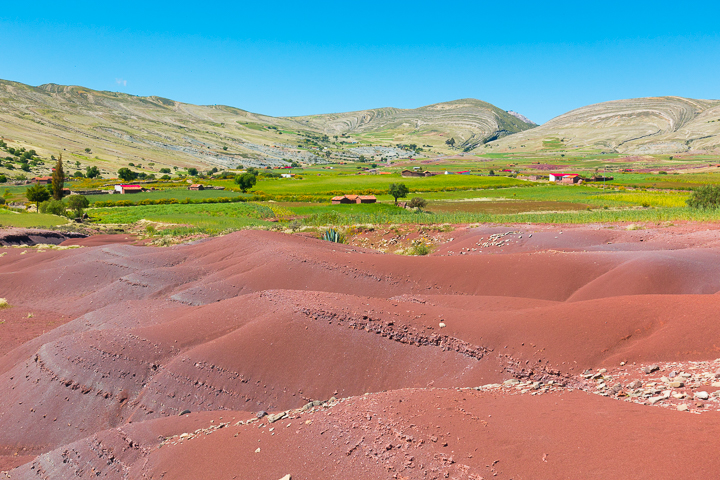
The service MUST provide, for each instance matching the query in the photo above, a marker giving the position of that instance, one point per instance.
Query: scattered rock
(184, 412)
(635, 385)
(676, 384)
(650, 369)
(442, 325)
(286, 477)
(702, 395)
(277, 416)
(261, 414)
(683, 408)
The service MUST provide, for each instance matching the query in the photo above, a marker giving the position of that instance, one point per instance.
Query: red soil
(265, 321)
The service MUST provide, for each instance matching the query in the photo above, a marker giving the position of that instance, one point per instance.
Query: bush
(53, 207)
(77, 203)
(417, 202)
(706, 197)
(3, 179)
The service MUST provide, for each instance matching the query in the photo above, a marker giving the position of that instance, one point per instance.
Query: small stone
(277, 416)
(676, 384)
(654, 400)
(650, 369)
(635, 385)
(261, 414)
(683, 408)
(602, 370)
(286, 477)
(442, 325)
(716, 384)
(257, 450)
(702, 395)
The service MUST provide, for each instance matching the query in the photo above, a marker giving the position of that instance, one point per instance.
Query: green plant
(705, 197)
(127, 174)
(58, 179)
(246, 181)
(398, 190)
(77, 203)
(332, 235)
(53, 207)
(37, 193)
(417, 202)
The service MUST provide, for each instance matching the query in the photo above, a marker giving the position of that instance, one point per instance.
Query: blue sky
(295, 58)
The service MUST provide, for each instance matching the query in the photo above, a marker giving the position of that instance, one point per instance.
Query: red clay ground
(557, 328)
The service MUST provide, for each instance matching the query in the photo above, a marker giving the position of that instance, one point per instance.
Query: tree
(3, 178)
(78, 174)
(246, 181)
(78, 203)
(87, 150)
(127, 174)
(192, 171)
(37, 193)
(450, 141)
(92, 172)
(398, 190)
(58, 179)
(164, 170)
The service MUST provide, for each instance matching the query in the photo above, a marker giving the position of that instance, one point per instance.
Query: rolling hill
(654, 125)
(111, 129)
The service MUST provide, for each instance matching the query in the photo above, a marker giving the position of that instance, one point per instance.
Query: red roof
(564, 174)
(130, 186)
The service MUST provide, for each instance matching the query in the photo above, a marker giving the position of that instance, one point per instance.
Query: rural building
(128, 189)
(43, 180)
(411, 173)
(565, 177)
(345, 199)
(287, 175)
(196, 186)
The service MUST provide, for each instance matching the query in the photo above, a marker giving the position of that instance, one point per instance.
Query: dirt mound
(133, 336)
(23, 236)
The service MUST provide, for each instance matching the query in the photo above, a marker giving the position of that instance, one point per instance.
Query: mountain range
(113, 129)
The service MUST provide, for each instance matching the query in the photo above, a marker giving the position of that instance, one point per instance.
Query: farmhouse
(196, 186)
(128, 189)
(412, 173)
(565, 178)
(353, 199)
(43, 180)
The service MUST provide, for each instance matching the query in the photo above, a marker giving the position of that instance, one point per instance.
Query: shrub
(53, 207)
(77, 203)
(417, 202)
(705, 197)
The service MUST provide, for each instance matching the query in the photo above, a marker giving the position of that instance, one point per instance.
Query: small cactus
(331, 235)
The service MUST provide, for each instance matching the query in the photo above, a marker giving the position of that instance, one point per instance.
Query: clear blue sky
(295, 58)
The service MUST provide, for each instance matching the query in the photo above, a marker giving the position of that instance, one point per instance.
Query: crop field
(175, 193)
(211, 217)
(329, 185)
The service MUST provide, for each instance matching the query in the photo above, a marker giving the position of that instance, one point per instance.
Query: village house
(196, 186)
(128, 189)
(43, 180)
(565, 178)
(345, 199)
(418, 173)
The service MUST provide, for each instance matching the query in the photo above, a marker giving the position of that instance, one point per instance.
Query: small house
(128, 189)
(196, 186)
(347, 199)
(564, 177)
(43, 180)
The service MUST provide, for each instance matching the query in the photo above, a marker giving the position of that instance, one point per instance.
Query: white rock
(702, 395)
(683, 408)
(442, 325)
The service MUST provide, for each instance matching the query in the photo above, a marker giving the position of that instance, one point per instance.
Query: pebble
(286, 477)
(683, 408)
(702, 395)
(442, 325)
(651, 368)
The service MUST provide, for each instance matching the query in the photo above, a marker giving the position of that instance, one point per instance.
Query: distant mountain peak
(521, 117)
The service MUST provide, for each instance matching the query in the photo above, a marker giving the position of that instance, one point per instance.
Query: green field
(29, 220)
(177, 193)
